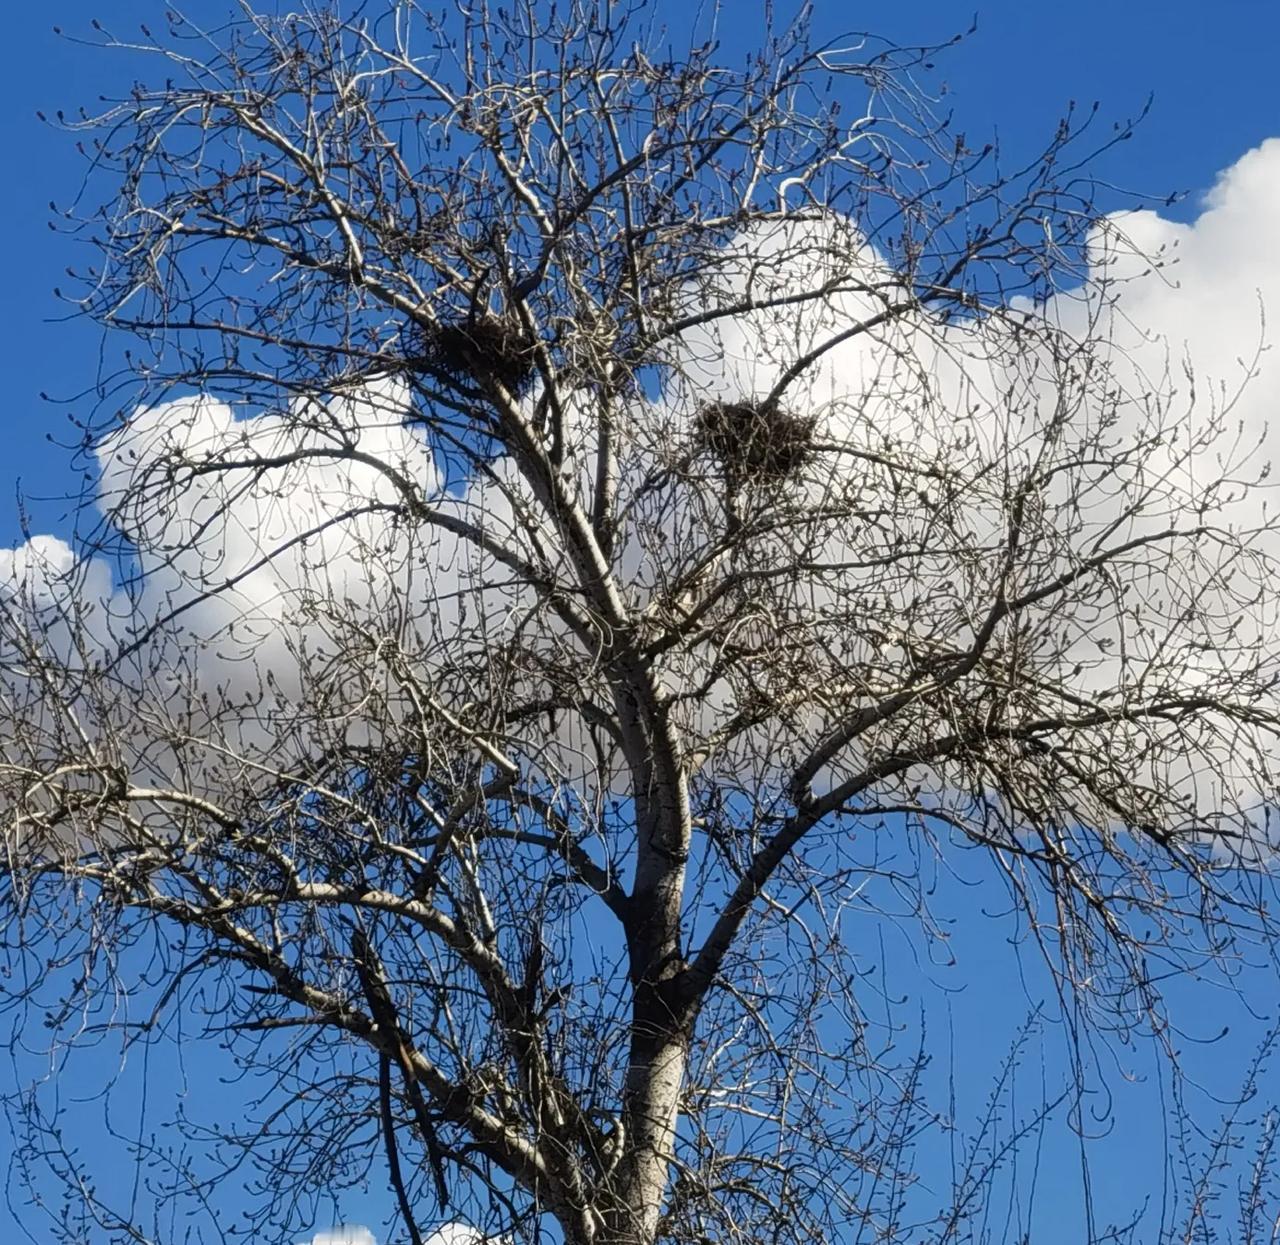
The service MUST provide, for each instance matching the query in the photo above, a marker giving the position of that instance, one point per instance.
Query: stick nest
(755, 440)
(479, 352)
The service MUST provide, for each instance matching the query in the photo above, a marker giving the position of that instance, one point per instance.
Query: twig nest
(479, 351)
(755, 441)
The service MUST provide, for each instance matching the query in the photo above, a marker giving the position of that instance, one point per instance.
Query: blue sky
(1211, 73)
(1213, 82)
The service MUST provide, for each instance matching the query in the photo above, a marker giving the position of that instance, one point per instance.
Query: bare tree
(592, 517)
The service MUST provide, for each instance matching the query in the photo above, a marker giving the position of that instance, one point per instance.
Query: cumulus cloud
(278, 656)
(346, 1235)
(355, 1234)
(459, 1234)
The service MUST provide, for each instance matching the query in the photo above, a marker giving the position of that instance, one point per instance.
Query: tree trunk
(651, 1110)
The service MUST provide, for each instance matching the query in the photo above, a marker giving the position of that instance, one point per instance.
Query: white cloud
(282, 651)
(346, 1235)
(458, 1234)
(448, 1234)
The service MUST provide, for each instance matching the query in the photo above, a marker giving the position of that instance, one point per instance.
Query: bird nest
(479, 352)
(755, 440)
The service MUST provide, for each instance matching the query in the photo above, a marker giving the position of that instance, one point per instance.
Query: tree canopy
(577, 520)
